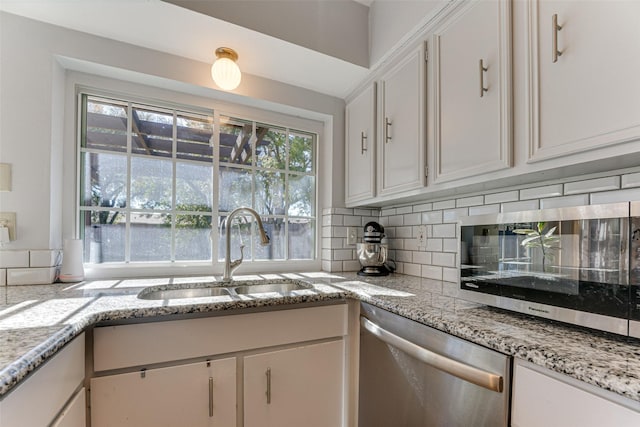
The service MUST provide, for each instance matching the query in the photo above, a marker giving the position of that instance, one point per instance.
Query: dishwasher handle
(463, 371)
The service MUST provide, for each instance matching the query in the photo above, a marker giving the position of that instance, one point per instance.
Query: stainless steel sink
(280, 288)
(184, 293)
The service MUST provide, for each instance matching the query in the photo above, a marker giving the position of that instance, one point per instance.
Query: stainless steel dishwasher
(412, 375)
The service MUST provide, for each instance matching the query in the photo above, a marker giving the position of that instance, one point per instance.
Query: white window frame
(158, 97)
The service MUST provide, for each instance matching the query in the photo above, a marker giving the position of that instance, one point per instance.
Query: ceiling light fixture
(224, 71)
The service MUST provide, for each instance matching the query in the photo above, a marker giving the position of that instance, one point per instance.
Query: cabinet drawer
(39, 398)
(140, 344)
(74, 415)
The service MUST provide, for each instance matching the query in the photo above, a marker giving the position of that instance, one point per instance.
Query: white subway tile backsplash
(332, 266)
(404, 210)
(450, 275)
(367, 219)
(592, 185)
(445, 204)
(388, 211)
(11, 259)
(562, 202)
(432, 217)
(3, 276)
(453, 215)
(352, 221)
(403, 256)
(30, 276)
(404, 232)
(443, 259)
(627, 195)
(343, 254)
(412, 219)
(410, 244)
(411, 269)
(423, 207)
(351, 265)
(444, 230)
(484, 210)
(342, 211)
(326, 254)
(450, 245)
(527, 205)
(434, 245)
(327, 231)
(396, 220)
(421, 257)
(504, 197)
(365, 212)
(470, 201)
(631, 180)
(431, 272)
(539, 192)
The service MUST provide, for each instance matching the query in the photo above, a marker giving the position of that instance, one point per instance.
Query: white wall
(35, 59)
(393, 21)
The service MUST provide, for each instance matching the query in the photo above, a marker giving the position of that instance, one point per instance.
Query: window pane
(104, 236)
(270, 193)
(150, 183)
(301, 152)
(234, 188)
(195, 138)
(151, 132)
(106, 126)
(271, 147)
(275, 249)
(194, 187)
(301, 239)
(104, 180)
(150, 237)
(301, 195)
(193, 240)
(236, 140)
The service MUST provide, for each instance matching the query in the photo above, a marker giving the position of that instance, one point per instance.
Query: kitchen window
(157, 183)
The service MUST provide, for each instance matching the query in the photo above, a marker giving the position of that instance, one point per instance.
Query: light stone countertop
(37, 321)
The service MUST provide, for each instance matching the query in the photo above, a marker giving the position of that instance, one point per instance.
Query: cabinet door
(545, 398)
(360, 147)
(301, 386)
(74, 414)
(588, 95)
(472, 96)
(199, 394)
(401, 141)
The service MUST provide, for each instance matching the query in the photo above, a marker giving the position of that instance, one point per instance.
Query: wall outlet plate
(8, 219)
(352, 235)
(422, 237)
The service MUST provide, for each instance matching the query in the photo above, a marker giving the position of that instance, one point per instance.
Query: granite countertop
(37, 321)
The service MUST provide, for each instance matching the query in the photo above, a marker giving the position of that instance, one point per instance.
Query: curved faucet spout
(231, 266)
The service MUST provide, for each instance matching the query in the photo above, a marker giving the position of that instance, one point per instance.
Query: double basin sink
(243, 288)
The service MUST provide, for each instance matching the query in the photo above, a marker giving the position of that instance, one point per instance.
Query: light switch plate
(352, 235)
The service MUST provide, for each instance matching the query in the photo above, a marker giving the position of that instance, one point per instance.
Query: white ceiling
(168, 28)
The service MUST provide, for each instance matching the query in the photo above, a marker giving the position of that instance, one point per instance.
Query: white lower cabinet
(545, 398)
(75, 413)
(39, 399)
(198, 394)
(295, 387)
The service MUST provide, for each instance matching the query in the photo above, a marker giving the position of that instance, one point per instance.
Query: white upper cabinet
(401, 129)
(361, 145)
(472, 129)
(584, 63)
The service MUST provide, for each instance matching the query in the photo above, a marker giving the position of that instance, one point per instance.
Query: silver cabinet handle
(268, 393)
(387, 125)
(554, 38)
(483, 69)
(466, 372)
(363, 138)
(210, 397)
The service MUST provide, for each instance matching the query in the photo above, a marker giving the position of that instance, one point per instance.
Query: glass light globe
(226, 73)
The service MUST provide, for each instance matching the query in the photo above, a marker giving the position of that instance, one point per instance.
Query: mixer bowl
(371, 254)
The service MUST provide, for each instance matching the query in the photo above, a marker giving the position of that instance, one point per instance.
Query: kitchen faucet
(231, 266)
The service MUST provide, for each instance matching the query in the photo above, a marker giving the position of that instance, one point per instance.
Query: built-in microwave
(579, 265)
